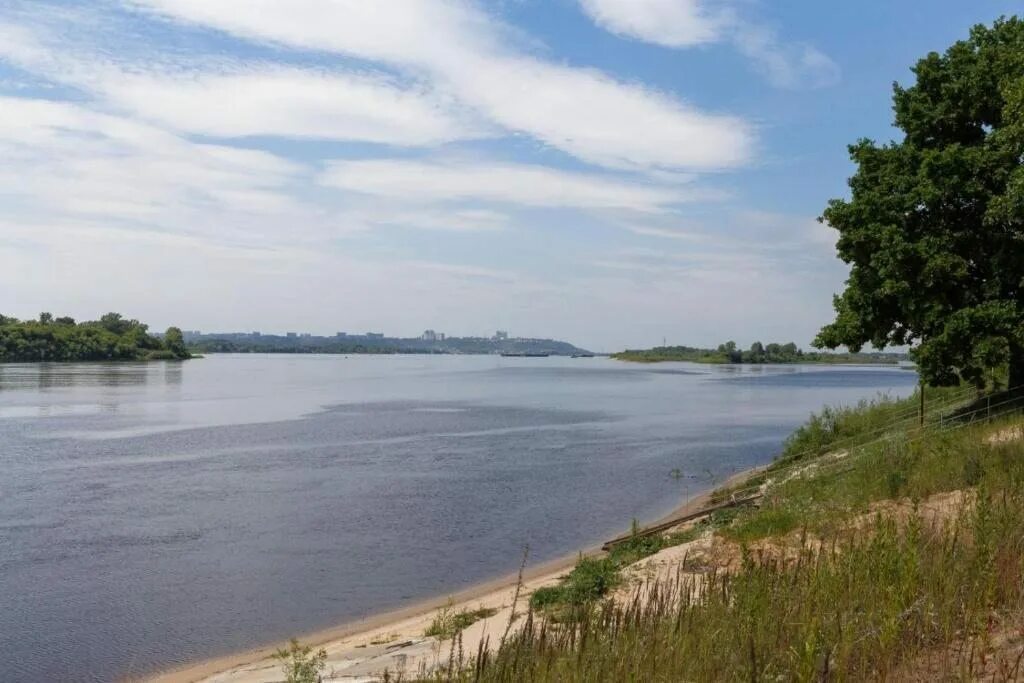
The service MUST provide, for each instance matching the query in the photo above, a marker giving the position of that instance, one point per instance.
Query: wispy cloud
(65, 161)
(230, 99)
(672, 23)
(687, 23)
(523, 184)
(469, 54)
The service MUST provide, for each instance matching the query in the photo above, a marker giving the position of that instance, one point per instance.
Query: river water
(153, 514)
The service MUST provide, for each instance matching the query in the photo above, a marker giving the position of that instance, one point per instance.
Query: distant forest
(757, 353)
(112, 337)
(241, 342)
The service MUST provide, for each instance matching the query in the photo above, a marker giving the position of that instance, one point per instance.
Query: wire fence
(946, 414)
(945, 418)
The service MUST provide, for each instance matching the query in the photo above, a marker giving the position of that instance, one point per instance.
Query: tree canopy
(112, 337)
(934, 227)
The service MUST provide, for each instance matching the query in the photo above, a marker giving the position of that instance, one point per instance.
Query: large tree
(934, 227)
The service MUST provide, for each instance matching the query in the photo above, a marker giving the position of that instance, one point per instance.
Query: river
(152, 514)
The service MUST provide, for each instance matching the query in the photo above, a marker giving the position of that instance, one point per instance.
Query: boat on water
(524, 354)
(582, 355)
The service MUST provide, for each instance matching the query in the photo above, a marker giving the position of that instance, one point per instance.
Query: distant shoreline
(253, 664)
(862, 363)
(757, 354)
(376, 343)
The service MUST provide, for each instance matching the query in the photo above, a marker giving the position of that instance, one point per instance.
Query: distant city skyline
(426, 335)
(607, 172)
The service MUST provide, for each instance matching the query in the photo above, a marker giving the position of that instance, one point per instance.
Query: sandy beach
(362, 650)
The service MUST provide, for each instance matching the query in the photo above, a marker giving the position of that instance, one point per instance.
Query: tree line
(728, 352)
(112, 337)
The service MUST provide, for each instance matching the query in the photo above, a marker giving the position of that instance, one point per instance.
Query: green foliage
(358, 344)
(933, 228)
(590, 579)
(593, 577)
(837, 428)
(174, 341)
(769, 522)
(758, 353)
(61, 339)
(904, 464)
(300, 664)
(448, 621)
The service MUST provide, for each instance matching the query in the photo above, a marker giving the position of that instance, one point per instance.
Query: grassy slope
(853, 601)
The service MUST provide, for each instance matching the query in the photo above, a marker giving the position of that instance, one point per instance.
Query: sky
(608, 172)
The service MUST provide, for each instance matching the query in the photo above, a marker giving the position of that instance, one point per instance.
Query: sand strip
(361, 650)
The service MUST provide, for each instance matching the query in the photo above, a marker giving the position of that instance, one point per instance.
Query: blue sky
(611, 172)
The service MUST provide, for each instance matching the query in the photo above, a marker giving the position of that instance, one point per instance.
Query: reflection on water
(183, 510)
(49, 375)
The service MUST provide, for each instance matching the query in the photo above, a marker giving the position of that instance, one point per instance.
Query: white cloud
(66, 161)
(411, 32)
(672, 23)
(588, 114)
(785, 66)
(233, 99)
(293, 103)
(784, 231)
(581, 111)
(685, 23)
(434, 181)
(667, 233)
(401, 213)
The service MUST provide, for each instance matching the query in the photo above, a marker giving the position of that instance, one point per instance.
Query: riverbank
(772, 354)
(395, 640)
(870, 524)
(882, 549)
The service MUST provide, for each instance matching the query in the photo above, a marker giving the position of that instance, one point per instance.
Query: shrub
(300, 664)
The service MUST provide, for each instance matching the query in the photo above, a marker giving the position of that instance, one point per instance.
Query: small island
(758, 353)
(111, 338)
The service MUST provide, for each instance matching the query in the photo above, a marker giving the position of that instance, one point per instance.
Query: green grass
(594, 577)
(449, 621)
(844, 427)
(855, 603)
(906, 465)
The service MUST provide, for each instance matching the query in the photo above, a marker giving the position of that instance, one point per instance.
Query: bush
(448, 622)
(300, 664)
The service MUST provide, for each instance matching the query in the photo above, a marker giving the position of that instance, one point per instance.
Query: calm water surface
(154, 514)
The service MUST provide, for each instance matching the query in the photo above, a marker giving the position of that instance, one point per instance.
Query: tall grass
(881, 599)
(849, 426)
(860, 609)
